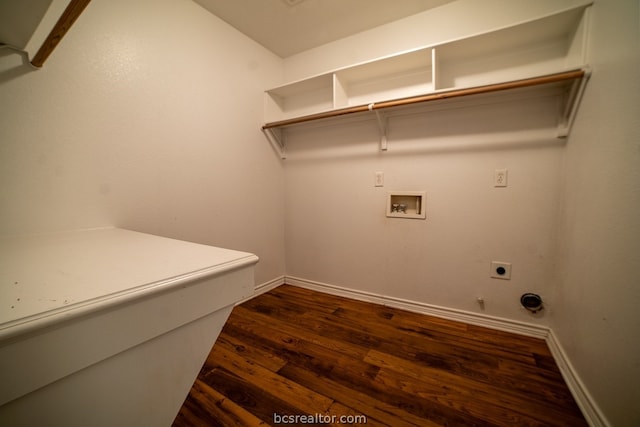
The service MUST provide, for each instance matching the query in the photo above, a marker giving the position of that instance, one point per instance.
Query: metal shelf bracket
(382, 127)
(276, 138)
(572, 101)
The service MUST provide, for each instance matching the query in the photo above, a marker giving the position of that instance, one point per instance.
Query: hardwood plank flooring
(295, 352)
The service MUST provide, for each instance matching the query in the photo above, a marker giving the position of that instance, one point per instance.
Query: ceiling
(287, 27)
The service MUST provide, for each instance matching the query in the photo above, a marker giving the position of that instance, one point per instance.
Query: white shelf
(36, 28)
(300, 98)
(521, 55)
(395, 77)
(538, 47)
(44, 277)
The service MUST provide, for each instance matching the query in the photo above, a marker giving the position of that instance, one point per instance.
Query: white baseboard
(590, 410)
(506, 325)
(271, 284)
(587, 405)
(264, 287)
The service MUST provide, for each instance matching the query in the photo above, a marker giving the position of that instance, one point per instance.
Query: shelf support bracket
(382, 127)
(276, 138)
(572, 101)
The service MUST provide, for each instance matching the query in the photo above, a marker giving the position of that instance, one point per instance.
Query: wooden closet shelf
(567, 76)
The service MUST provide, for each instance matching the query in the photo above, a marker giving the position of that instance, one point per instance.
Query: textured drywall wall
(147, 116)
(596, 317)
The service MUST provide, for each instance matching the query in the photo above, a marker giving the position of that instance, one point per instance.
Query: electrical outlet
(500, 178)
(379, 179)
(501, 270)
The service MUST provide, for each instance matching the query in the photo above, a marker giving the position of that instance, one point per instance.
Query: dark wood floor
(293, 352)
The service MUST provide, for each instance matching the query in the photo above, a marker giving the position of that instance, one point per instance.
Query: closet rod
(551, 78)
(68, 17)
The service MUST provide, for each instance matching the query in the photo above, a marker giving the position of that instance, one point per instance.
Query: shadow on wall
(13, 64)
(523, 121)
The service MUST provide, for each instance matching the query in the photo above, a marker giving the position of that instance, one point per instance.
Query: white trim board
(583, 398)
(264, 287)
(588, 406)
(498, 323)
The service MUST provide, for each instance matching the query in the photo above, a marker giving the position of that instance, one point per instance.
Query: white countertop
(47, 278)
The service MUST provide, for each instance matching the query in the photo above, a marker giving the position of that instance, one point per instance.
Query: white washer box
(407, 204)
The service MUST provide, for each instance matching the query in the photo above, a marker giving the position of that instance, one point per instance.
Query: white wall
(337, 232)
(596, 317)
(147, 116)
(569, 220)
(336, 229)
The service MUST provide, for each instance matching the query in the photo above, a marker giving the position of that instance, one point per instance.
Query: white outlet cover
(500, 178)
(501, 270)
(378, 180)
